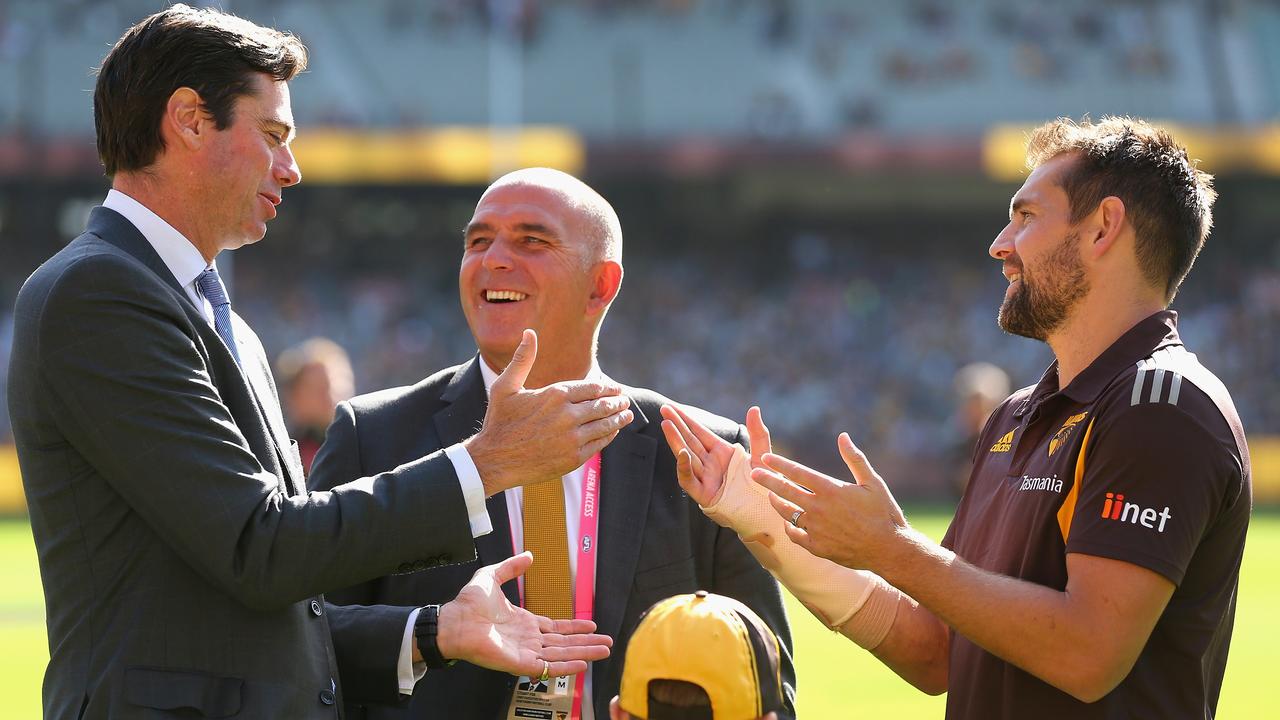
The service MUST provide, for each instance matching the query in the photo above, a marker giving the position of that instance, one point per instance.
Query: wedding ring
(546, 671)
(795, 518)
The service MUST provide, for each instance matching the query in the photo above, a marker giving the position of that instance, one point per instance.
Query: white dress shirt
(572, 484)
(186, 263)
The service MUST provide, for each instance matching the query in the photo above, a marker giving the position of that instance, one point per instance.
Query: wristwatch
(425, 629)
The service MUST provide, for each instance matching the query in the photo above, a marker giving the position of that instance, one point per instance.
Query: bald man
(544, 251)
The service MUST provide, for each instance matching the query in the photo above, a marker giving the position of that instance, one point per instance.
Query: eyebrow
(275, 123)
(535, 228)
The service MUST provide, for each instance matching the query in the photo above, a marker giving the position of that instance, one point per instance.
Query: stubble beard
(1046, 298)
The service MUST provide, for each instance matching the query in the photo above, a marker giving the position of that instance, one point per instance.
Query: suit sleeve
(366, 641)
(739, 576)
(118, 353)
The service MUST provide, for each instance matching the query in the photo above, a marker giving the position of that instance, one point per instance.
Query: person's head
(700, 657)
(1116, 203)
(979, 387)
(315, 376)
(197, 100)
(543, 251)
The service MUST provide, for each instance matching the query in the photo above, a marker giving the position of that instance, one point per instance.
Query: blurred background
(807, 189)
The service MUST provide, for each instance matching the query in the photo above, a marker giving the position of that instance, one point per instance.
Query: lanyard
(584, 587)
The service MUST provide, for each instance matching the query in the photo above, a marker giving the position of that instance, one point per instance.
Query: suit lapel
(626, 478)
(258, 372)
(114, 228)
(458, 420)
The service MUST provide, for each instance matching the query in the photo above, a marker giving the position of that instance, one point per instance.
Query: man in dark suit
(181, 558)
(543, 250)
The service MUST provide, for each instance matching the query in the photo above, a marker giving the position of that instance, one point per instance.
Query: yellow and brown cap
(711, 641)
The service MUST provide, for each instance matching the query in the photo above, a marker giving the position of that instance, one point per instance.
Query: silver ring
(546, 671)
(795, 518)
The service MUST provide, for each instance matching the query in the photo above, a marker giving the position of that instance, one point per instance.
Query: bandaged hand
(716, 474)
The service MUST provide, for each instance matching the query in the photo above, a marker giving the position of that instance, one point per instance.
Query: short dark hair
(212, 52)
(1167, 198)
(678, 700)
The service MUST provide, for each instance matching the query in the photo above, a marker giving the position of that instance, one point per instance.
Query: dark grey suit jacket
(654, 542)
(181, 558)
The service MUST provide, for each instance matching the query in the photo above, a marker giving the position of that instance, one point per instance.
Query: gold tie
(547, 587)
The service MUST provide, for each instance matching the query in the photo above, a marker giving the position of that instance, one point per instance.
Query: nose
(498, 255)
(1002, 246)
(287, 170)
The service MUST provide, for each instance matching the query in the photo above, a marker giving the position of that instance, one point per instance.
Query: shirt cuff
(408, 672)
(472, 489)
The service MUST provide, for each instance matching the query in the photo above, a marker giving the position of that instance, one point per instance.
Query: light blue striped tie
(212, 289)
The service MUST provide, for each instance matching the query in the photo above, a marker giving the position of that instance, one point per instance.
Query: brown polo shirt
(1141, 458)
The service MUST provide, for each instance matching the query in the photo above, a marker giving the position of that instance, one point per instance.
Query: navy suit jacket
(654, 542)
(182, 559)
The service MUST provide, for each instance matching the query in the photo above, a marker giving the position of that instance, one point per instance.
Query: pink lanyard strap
(584, 586)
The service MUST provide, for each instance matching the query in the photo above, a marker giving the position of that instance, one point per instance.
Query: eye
(532, 240)
(476, 240)
(277, 138)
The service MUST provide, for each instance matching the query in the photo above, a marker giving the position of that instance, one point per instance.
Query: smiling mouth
(504, 296)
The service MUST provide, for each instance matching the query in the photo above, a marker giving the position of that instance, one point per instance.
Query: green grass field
(837, 679)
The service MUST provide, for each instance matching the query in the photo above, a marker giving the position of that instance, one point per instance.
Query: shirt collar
(489, 375)
(1154, 332)
(179, 255)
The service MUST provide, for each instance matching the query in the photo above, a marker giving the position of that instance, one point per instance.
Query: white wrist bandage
(857, 602)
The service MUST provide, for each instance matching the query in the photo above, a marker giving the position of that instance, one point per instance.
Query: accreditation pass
(541, 700)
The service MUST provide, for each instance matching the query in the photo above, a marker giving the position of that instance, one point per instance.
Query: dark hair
(211, 52)
(678, 700)
(1167, 198)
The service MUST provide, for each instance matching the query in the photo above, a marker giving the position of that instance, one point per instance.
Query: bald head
(594, 218)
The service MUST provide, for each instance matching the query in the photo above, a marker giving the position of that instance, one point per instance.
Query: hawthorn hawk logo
(1064, 432)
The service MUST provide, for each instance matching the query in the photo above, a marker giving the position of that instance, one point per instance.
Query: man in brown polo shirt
(1091, 568)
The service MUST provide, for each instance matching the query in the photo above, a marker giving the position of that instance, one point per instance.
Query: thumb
(757, 435)
(517, 371)
(858, 463)
(512, 567)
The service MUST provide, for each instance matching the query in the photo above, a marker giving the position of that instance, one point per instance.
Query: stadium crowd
(838, 326)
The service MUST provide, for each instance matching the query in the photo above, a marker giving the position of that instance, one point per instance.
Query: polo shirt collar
(1154, 332)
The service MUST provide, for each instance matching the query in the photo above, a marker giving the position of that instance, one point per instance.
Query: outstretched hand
(855, 524)
(702, 457)
(482, 627)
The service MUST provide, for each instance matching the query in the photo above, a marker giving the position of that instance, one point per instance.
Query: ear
(615, 710)
(606, 281)
(185, 120)
(1103, 229)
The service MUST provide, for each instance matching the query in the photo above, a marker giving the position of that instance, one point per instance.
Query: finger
(594, 446)
(858, 463)
(600, 408)
(758, 433)
(687, 477)
(511, 568)
(556, 654)
(555, 639)
(517, 371)
(797, 473)
(674, 440)
(782, 487)
(785, 508)
(799, 536)
(708, 439)
(695, 445)
(586, 390)
(604, 426)
(571, 627)
(560, 669)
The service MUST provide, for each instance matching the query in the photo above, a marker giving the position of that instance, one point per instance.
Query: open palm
(702, 457)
